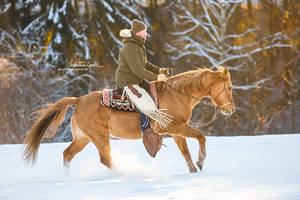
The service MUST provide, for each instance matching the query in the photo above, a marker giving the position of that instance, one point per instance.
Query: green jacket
(133, 64)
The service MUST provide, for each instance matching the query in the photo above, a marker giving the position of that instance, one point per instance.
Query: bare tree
(207, 34)
(214, 32)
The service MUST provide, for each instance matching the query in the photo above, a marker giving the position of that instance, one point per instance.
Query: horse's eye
(230, 88)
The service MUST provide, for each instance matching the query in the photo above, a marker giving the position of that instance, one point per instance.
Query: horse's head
(221, 91)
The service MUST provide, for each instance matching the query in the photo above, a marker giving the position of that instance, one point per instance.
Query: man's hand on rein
(167, 71)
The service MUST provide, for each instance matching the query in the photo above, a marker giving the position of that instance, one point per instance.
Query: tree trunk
(249, 7)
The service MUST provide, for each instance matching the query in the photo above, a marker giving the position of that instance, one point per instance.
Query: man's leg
(144, 103)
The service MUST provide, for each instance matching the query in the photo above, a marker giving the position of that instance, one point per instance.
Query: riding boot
(152, 141)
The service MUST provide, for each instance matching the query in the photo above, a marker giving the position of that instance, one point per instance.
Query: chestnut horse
(92, 122)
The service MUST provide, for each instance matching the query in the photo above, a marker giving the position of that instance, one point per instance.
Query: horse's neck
(179, 84)
(176, 103)
(166, 92)
(188, 84)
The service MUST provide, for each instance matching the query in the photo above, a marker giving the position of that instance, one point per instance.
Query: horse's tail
(46, 125)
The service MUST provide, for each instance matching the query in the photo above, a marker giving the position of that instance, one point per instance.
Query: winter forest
(50, 49)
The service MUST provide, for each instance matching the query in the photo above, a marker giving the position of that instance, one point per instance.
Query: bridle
(217, 109)
(230, 100)
(191, 96)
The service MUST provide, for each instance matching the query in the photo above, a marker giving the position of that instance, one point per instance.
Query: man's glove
(167, 71)
(161, 77)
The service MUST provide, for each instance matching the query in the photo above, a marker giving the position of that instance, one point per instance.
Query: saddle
(115, 98)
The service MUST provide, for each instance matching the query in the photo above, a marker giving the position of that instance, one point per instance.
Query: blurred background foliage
(258, 40)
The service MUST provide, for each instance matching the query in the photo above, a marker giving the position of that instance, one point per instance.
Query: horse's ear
(223, 70)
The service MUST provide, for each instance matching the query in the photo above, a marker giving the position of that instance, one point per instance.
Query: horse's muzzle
(228, 110)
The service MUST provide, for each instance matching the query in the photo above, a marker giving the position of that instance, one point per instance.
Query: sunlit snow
(261, 167)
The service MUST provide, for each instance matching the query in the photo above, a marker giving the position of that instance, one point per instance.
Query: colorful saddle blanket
(114, 98)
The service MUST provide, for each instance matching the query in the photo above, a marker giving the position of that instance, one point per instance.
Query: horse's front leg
(202, 152)
(185, 130)
(182, 145)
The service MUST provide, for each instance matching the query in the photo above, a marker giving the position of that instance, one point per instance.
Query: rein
(228, 97)
(216, 108)
(191, 96)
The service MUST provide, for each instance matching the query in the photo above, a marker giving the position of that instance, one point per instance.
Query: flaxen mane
(190, 81)
(195, 80)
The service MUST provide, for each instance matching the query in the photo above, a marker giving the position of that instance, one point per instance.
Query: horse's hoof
(200, 164)
(67, 164)
(193, 170)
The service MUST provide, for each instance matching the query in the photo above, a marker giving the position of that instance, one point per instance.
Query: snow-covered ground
(262, 167)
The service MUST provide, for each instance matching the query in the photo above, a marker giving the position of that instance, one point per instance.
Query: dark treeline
(50, 49)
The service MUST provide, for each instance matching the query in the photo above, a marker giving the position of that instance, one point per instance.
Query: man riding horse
(132, 70)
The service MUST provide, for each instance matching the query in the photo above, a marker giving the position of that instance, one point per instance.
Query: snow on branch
(116, 40)
(186, 31)
(212, 26)
(257, 84)
(33, 23)
(228, 17)
(233, 36)
(125, 18)
(64, 7)
(107, 6)
(82, 78)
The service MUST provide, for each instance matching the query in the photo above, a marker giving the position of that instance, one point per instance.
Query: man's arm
(135, 64)
(151, 67)
(157, 70)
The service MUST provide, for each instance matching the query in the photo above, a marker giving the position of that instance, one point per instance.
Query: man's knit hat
(137, 26)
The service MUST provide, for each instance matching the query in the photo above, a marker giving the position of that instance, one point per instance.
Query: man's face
(142, 34)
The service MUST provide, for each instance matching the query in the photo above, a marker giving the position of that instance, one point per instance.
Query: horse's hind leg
(103, 145)
(76, 146)
(182, 145)
(78, 143)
